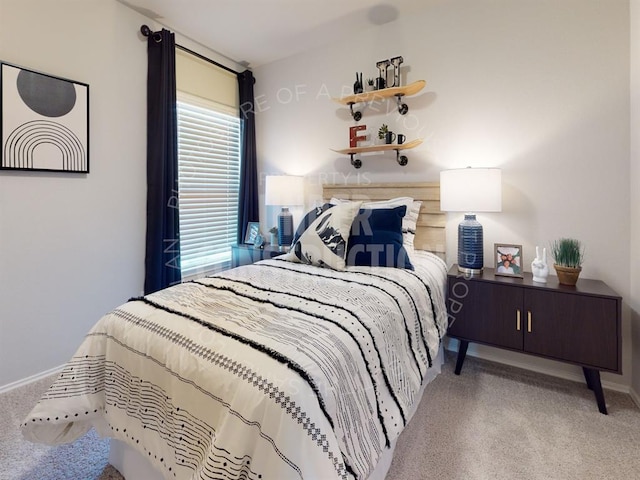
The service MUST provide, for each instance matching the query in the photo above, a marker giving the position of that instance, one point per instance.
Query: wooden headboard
(430, 233)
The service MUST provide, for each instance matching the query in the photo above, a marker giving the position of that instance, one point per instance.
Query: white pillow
(409, 225)
(409, 221)
(391, 203)
(324, 242)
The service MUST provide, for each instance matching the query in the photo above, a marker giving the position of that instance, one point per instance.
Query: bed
(276, 370)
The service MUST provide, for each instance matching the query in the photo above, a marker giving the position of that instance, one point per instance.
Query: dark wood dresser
(579, 325)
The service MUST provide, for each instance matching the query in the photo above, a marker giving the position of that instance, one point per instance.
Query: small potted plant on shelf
(568, 254)
(382, 132)
(274, 235)
(370, 86)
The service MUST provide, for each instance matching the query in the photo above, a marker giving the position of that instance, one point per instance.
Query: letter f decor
(354, 138)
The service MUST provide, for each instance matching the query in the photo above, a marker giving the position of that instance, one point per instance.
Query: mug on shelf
(401, 138)
(389, 137)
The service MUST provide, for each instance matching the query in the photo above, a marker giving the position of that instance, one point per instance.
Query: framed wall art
(508, 259)
(45, 121)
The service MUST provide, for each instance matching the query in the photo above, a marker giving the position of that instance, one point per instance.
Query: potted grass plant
(568, 254)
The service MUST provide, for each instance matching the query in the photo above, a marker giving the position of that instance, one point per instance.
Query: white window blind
(209, 182)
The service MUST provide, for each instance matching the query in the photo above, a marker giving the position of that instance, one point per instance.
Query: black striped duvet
(274, 370)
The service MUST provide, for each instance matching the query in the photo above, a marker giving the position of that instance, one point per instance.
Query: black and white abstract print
(45, 121)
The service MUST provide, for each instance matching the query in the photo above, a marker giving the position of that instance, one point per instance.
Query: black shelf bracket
(357, 115)
(403, 108)
(401, 159)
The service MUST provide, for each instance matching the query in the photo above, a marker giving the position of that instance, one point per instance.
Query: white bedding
(272, 370)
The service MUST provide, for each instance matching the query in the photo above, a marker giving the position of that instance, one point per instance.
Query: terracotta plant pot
(567, 275)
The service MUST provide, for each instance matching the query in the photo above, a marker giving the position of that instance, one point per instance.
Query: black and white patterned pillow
(309, 219)
(324, 242)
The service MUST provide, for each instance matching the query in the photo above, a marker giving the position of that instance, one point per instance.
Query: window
(209, 182)
(208, 163)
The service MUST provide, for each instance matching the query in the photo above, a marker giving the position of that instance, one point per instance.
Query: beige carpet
(85, 459)
(492, 422)
(496, 422)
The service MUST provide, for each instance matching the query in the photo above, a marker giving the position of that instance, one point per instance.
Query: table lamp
(471, 190)
(284, 191)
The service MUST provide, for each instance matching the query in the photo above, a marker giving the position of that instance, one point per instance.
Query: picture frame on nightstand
(508, 259)
(253, 230)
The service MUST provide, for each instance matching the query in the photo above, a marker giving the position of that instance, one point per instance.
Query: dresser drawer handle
(529, 321)
(518, 320)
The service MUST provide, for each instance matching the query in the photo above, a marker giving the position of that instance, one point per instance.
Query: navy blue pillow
(376, 239)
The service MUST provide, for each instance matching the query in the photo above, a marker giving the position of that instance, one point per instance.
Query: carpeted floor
(498, 422)
(492, 422)
(85, 459)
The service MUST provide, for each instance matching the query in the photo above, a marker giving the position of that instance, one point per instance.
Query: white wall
(72, 246)
(538, 88)
(634, 178)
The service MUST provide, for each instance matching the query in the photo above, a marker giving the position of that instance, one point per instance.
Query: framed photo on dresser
(508, 258)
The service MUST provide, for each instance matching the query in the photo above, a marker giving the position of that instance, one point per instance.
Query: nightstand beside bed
(245, 254)
(580, 325)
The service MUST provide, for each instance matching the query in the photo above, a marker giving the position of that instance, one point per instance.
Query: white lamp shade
(284, 190)
(471, 190)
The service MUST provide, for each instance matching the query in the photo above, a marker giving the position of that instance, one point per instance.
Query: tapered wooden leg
(593, 381)
(462, 353)
(587, 378)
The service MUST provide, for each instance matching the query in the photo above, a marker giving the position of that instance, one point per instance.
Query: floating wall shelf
(384, 93)
(401, 159)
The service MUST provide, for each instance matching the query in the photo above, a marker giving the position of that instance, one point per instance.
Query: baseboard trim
(634, 396)
(33, 378)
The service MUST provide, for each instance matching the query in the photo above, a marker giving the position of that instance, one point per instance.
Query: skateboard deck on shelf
(380, 148)
(410, 89)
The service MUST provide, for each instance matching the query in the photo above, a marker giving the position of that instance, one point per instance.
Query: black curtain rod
(202, 57)
(146, 31)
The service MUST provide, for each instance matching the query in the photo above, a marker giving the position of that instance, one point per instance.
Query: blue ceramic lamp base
(470, 246)
(285, 228)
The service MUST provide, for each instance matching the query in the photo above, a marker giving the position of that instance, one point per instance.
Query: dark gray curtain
(162, 261)
(248, 210)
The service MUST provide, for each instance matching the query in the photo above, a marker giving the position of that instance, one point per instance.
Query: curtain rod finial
(145, 30)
